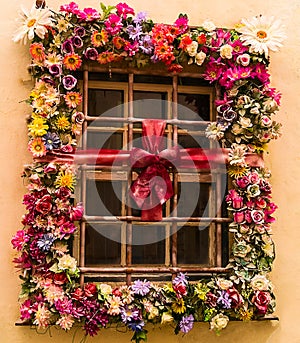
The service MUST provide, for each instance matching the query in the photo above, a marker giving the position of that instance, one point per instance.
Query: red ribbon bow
(153, 187)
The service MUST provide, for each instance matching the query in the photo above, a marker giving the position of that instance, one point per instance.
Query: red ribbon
(153, 187)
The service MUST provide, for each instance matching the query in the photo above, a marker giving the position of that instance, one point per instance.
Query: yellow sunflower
(237, 171)
(62, 123)
(178, 306)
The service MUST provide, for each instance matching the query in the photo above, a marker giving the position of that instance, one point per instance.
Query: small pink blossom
(113, 24)
(123, 10)
(19, 240)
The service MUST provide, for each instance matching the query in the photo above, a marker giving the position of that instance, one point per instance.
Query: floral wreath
(234, 59)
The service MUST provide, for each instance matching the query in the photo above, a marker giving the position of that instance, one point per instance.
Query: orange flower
(119, 42)
(99, 38)
(106, 57)
(185, 41)
(73, 99)
(72, 61)
(201, 39)
(37, 52)
(37, 147)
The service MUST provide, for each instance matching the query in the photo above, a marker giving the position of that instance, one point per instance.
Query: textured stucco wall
(283, 161)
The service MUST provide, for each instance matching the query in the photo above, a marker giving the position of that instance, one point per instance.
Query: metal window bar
(126, 216)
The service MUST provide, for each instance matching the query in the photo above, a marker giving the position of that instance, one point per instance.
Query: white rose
(245, 122)
(166, 318)
(260, 283)
(219, 322)
(192, 49)
(105, 289)
(200, 58)
(208, 25)
(67, 262)
(226, 51)
(224, 284)
(244, 60)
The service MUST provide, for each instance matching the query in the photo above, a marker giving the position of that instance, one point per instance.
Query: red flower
(44, 205)
(78, 294)
(60, 278)
(175, 68)
(261, 299)
(117, 292)
(180, 290)
(235, 297)
(185, 41)
(211, 299)
(90, 290)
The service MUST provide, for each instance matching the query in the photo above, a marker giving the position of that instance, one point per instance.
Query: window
(115, 244)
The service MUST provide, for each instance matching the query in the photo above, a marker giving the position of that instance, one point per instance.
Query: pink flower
(261, 300)
(19, 240)
(243, 182)
(182, 24)
(260, 72)
(257, 216)
(50, 168)
(63, 193)
(180, 290)
(90, 290)
(237, 202)
(77, 212)
(254, 178)
(238, 48)
(260, 203)
(238, 217)
(89, 14)
(44, 205)
(113, 24)
(72, 8)
(26, 310)
(123, 9)
(67, 229)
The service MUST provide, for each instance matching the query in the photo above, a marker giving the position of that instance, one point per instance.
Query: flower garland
(236, 60)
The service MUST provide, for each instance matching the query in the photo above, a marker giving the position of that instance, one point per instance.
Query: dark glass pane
(105, 140)
(103, 198)
(193, 245)
(196, 141)
(161, 80)
(101, 101)
(113, 77)
(193, 199)
(196, 106)
(149, 104)
(148, 244)
(102, 244)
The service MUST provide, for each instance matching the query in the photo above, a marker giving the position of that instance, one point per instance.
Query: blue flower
(136, 326)
(46, 242)
(51, 140)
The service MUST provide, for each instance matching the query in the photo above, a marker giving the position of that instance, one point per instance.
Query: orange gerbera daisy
(99, 38)
(72, 61)
(73, 99)
(37, 147)
(106, 57)
(37, 52)
(119, 42)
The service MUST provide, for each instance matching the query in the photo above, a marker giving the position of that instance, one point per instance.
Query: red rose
(261, 299)
(60, 278)
(235, 297)
(211, 299)
(90, 289)
(76, 212)
(180, 290)
(44, 205)
(117, 292)
(78, 294)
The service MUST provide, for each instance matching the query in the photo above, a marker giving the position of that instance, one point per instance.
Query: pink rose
(44, 205)
(238, 217)
(243, 182)
(50, 168)
(63, 193)
(67, 229)
(257, 216)
(76, 212)
(261, 299)
(254, 178)
(237, 202)
(261, 203)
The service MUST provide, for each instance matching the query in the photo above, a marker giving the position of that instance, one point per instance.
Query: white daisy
(33, 23)
(262, 34)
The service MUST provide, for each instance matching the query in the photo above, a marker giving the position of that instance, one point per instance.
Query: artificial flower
(34, 22)
(262, 34)
(37, 147)
(65, 179)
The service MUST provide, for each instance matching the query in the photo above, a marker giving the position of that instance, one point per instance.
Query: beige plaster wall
(283, 161)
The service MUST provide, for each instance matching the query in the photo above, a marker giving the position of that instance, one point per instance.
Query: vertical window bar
(83, 171)
(175, 174)
(129, 211)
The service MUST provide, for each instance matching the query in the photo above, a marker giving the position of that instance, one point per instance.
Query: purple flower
(134, 31)
(181, 278)
(67, 47)
(69, 82)
(79, 31)
(186, 323)
(51, 140)
(45, 242)
(129, 314)
(55, 70)
(136, 326)
(224, 299)
(141, 287)
(146, 44)
(91, 54)
(77, 42)
(140, 17)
